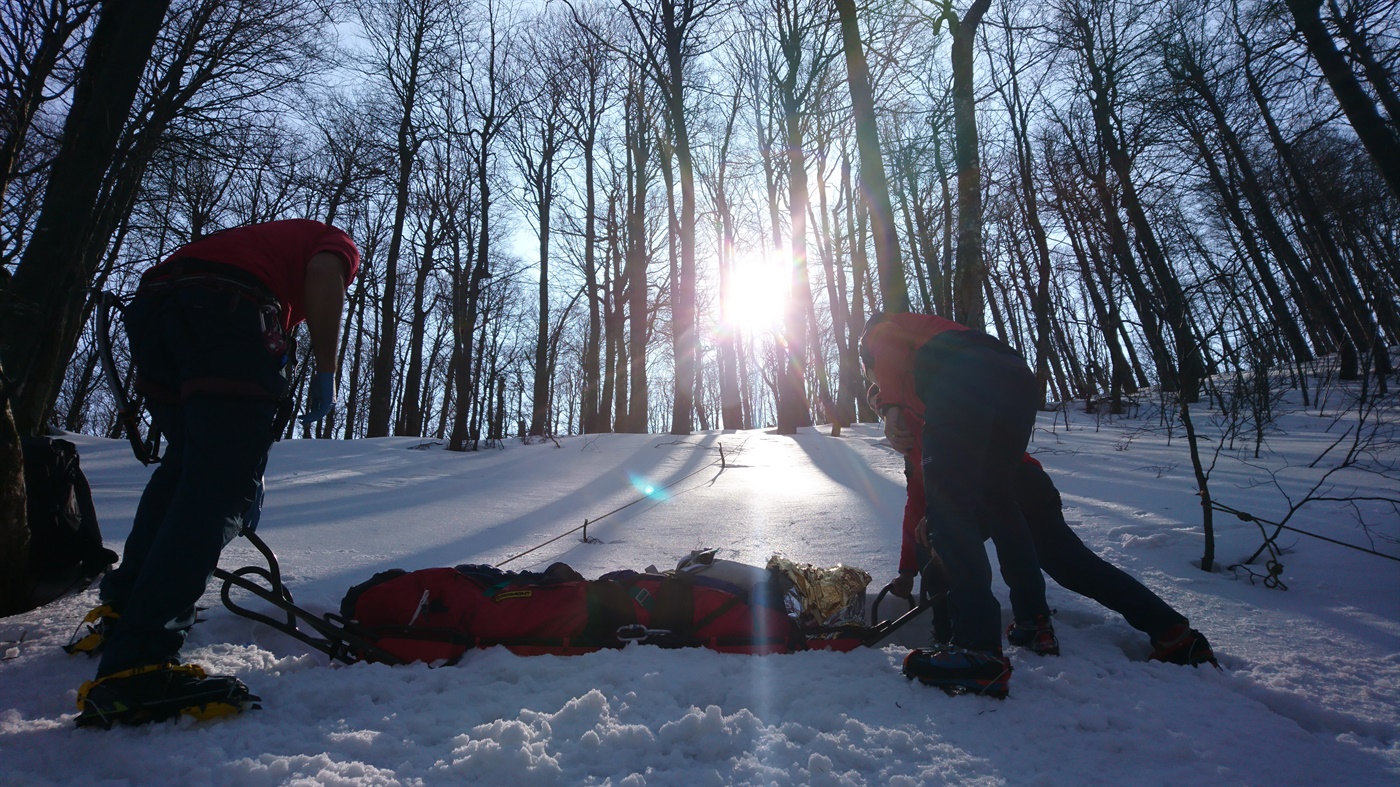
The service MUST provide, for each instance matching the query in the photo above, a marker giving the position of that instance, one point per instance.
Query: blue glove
(321, 400)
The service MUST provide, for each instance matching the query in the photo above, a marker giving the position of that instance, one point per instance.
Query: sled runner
(436, 615)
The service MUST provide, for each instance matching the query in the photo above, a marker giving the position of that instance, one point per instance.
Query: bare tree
(970, 269)
(1018, 109)
(488, 103)
(37, 41)
(638, 118)
(537, 144)
(1379, 136)
(407, 41)
(50, 276)
(670, 32)
(589, 96)
(805, 51)
(894, 293)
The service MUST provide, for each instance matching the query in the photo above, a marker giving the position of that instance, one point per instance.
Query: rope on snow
(1273, 566)
(584, 527)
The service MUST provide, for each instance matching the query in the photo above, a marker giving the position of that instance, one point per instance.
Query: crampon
(957, 671)
(159, 692)
(91, 633)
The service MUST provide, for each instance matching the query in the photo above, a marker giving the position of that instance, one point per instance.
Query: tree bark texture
(48, 282)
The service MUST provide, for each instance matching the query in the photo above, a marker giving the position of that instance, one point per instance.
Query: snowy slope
(1310, 693)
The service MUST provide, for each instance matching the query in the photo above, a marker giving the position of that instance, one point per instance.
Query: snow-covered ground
(1310, 692)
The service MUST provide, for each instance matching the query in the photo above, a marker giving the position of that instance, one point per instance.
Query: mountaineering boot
(1183, 645)
(959, 671)
(160, 691)
(92, 632)
(1035, 635)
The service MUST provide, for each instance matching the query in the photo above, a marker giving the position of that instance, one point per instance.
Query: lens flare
(646, 487)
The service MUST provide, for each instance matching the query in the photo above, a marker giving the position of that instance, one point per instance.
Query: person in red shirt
(209, 334)
(977, 401)
(1061, 553)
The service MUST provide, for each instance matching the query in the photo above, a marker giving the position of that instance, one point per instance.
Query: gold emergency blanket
(823, 596)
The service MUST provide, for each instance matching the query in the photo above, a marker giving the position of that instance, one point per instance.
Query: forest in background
(665, 215)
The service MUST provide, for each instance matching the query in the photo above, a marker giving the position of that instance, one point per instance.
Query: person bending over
(1061, 553)
(209, 333)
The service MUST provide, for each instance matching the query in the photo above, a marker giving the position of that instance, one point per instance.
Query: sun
(756, 299)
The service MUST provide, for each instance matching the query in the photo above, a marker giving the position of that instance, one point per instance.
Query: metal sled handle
(879, 631)
(875, 607)
(335, 640)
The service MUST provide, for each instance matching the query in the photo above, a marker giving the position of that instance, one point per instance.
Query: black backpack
(65, 541)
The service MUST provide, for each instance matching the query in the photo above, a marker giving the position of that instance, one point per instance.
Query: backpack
(65, 541)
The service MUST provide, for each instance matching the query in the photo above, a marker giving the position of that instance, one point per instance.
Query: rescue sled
(436, 615)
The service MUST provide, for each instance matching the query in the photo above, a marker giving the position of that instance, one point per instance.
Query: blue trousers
(215, 386)
(1069, 562)
(1076, 568)
(980, 401)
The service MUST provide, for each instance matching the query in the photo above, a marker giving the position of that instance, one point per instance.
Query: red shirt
(892, 344)
(276, 252)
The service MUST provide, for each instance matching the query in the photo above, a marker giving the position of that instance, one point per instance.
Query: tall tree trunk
(683, 299)
(857, 221)
(1379, 138)
(1030, 206)
(908, 185)
(841, 407)
(592, 364)
(970, 269)
(14, 526)
(51, 271)
(638, 254)
(539, 408)
(411, 408)
(893, 291)
(606, 396)
(469, 306)
(595, 399)
(381, 387)
(730, 401)
(793, 408)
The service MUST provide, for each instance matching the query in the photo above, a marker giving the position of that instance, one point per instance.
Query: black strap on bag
(146, 447)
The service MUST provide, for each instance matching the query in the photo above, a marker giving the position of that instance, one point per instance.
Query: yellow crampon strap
(212, 710)
(96, 631)
(193, 669)
(97, 613)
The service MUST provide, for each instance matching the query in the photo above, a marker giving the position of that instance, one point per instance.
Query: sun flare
(757, 296)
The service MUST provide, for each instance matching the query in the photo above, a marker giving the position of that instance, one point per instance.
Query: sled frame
(330, 633)
(342, 640)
